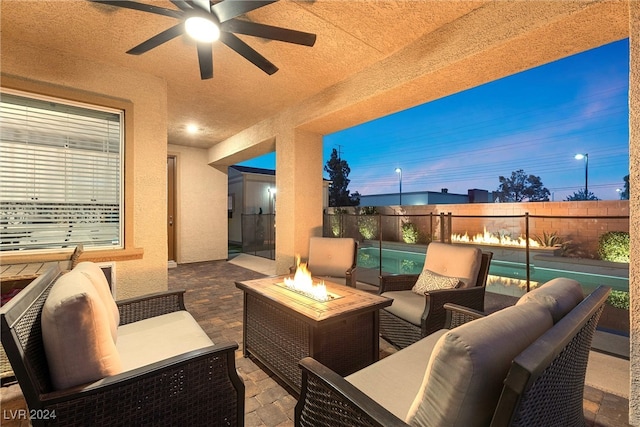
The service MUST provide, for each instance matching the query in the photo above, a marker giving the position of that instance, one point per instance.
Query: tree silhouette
(338, 171)
(624, 194)
(520, 187)
(581, 195)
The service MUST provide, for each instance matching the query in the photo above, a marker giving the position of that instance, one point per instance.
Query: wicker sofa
(523, 365)
(82, 359)
(412, 317)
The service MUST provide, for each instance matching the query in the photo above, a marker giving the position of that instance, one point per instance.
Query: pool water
(401, 262)
(393, 261)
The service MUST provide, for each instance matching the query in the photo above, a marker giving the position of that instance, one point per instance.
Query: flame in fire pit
(302, 283)
(491, 239)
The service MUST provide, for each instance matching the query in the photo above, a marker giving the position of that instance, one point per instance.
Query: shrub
(368, 222)
(368, 226)
(619, 299)
(368, 210)
(335, 221)
(410, 233)
(550, 240)
(614, 246)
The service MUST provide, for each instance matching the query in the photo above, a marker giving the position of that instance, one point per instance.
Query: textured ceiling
(352, 37)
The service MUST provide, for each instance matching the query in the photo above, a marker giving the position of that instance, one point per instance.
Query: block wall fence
(581, 222)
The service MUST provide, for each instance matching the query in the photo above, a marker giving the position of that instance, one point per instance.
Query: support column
(634, 209)
(299, 194)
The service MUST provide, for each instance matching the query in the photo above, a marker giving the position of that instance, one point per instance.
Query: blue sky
(536, 120)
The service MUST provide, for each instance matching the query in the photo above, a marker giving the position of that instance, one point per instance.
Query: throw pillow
(76, 333)
(430, 281)
(94, 273)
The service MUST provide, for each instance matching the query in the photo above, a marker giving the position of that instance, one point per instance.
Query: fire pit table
(282, 326)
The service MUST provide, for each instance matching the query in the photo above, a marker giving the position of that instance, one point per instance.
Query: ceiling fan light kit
(207, 23)
(202, 29)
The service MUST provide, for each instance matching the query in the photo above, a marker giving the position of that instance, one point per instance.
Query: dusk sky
(536, 121)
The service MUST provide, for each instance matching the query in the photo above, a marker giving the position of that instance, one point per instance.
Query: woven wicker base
(397, 331)
(279, 339)
(5, 366)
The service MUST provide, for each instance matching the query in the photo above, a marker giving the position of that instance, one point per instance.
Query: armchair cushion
(454, 261)
(430, 281)
(394, 381)
(76, 332)
(94, 273)
(559, 296)
(330, 256)
(465, 374)
(406, 305)
(158, 338)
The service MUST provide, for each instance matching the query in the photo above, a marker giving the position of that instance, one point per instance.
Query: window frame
(128, 250)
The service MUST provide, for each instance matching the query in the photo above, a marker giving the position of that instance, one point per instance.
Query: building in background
(253, 191)
(417, 198)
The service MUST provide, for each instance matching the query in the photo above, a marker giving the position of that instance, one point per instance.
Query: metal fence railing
(527, 248)
(259, 235)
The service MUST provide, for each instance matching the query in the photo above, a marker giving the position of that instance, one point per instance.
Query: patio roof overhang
(370, 59)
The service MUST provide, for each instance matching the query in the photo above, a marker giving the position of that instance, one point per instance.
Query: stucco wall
(148, 95)
(298, 202)
(201, 224)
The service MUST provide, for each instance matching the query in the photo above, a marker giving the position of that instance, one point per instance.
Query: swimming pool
(401, 262)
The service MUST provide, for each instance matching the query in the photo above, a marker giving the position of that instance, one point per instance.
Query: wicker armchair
(333, 259)
(201, 387)
(543, 384)
(402, 332)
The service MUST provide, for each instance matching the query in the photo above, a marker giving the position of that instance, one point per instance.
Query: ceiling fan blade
(142, 7)
(205, 58)
(229, 9)
(202, 4)
(158, 39)
(269, 32)
(182, 5)
(248, 52)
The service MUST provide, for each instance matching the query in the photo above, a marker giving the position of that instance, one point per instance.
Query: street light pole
(399, 172)
(585, 156)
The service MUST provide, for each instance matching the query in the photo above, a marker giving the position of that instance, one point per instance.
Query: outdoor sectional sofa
(523, 365)
(82, 359)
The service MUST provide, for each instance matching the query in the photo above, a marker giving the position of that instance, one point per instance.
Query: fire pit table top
(348, 300)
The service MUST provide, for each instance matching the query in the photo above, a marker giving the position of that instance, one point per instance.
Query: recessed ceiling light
(192, 128)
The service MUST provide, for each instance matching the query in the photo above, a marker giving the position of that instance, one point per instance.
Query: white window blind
(60, 174)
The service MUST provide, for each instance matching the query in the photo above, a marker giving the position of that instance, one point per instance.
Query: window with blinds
(60, 174)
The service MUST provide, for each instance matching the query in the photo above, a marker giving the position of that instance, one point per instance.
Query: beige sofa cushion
(158, 338)
(430, 281)
(559, 296)
(330, 256)
(394, 381)
(76, 332)
(454, 261)
(406, 305)
(94, 273)
(469, 363)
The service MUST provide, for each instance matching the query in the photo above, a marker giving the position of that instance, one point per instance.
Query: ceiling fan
(206, 22)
